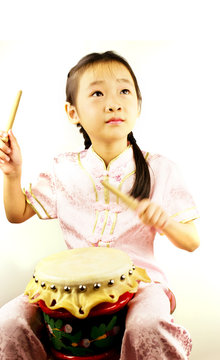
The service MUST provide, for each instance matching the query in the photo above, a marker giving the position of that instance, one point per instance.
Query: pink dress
(89, 215)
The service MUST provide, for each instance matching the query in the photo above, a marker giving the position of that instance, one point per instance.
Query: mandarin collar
(117, 169)
(94, 160)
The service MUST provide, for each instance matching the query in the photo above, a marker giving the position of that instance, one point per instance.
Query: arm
(16, 208)
(184, 236)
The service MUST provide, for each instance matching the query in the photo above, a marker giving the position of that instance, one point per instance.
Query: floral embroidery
(113, 207)
(115, 174)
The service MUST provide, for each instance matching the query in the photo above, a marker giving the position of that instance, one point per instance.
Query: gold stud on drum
(111, 282)
(96, 286)
(82, 288)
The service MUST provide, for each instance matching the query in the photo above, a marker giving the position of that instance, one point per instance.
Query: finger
(11, 135)
(149, 212)
(143, 206)
(4, 146)
(12, 140)
(4, 137)
(4, 157)
(154, 216)
(161, 222)
(3, 134)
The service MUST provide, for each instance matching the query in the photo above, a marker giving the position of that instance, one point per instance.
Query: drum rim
(104, 308)
(102, 356)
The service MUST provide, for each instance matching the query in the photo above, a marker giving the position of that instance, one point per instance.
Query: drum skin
(97, 337)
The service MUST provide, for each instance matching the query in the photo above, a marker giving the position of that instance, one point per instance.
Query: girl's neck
(109, 151)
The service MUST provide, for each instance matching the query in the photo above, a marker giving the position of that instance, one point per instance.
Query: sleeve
(42, 196)
(177, 200)
(169, 190)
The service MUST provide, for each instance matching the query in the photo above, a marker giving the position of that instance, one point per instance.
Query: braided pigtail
(141, 187)
(87, 141)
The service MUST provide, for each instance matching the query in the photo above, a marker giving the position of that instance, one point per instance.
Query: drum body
(83, 294)
(96, 337)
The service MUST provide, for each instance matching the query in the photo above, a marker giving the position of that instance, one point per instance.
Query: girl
(104, 100)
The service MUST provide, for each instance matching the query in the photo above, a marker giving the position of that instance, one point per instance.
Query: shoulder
(162, 168)
(158, 160)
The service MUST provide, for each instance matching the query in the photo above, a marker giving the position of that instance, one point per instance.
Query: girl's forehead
(104, 71)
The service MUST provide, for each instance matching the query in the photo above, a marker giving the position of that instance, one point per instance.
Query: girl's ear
(72, 113)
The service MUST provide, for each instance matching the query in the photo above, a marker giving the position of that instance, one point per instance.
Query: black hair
(141, 187)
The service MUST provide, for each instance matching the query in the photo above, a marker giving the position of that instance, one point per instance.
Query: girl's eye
(125, 91)
(97, 93)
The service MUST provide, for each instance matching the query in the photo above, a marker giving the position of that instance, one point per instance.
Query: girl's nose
(113, 108)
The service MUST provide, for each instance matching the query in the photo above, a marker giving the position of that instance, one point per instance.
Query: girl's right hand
(10, 155)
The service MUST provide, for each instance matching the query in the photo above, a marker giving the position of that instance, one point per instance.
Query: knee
(11, 325)
(139, 339)
(139, 332)
(7, 320)
(19, 313)
(18, 340)
(144, 325)
(11, 335)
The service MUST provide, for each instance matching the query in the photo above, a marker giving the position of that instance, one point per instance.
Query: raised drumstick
(129, 200)
(13, 113)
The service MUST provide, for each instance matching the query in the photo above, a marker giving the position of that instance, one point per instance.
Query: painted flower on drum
(68, 329)
(85, 343)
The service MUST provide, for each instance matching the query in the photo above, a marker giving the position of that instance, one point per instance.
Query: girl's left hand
(152, 214)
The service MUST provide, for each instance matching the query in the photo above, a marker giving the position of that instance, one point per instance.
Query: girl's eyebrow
(99, 82)
(126, 81)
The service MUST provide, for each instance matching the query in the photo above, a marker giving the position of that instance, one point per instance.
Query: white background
(174, 50)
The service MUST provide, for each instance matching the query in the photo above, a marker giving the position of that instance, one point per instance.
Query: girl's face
(106, 103)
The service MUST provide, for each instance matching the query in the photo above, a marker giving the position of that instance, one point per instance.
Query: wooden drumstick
(13, 113)
(129, 200)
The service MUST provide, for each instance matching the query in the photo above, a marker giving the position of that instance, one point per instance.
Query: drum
(83, 294)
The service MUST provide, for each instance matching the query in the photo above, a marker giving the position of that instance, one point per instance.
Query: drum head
(80, 279)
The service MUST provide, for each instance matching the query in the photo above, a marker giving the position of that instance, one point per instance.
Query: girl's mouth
(114, 121)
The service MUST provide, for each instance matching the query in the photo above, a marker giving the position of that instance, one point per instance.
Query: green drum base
(90, 336)
(93, 337)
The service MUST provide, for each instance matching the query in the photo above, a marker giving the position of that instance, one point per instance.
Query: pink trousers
(150, 332)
